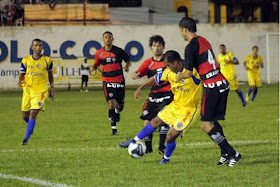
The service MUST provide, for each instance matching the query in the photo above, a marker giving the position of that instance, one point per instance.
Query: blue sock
(29, 128)
(146, 131)
(255, 94)
(170, 146)
(240, 94)
(250, 91)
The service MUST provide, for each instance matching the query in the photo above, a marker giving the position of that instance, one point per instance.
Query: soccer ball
(136, 150)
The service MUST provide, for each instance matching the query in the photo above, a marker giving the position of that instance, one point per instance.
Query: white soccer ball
(136, 150)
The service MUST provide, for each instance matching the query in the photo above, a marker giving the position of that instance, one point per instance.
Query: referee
(85, 73)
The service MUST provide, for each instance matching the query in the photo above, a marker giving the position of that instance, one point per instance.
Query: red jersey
(150, 68)
(199, 55)
(111, 62)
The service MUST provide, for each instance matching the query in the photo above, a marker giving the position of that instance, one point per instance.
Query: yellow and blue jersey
(227, 69)
(254, 64)
(36, 73)
(186, 92)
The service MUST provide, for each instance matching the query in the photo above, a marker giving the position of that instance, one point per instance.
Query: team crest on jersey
(111, 94)
(183, 81)
(145, 112)
(38, 65)
(114, 60)
(179, 125)
(40, 104)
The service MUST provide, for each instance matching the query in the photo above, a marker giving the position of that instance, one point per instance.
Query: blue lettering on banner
(4, 51)
(64, 47)
(140, 50)
(88, 46)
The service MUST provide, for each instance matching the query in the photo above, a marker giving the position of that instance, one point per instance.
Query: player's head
(173, 61)
(255, 49)
(222, 48)
(85, 60)
(37, 46)
(157, 45)
(187, 26)
(108, 38)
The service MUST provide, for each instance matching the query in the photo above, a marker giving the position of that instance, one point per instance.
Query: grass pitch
(72, 144)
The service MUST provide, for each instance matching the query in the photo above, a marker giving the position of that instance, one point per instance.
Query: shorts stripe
(203, 104)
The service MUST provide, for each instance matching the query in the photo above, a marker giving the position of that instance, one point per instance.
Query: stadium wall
(68, 44)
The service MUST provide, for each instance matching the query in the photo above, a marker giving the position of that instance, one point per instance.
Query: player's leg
(170, 145)
(25, 116)
(82, 84)
(119, 105)
(258, 84)
(234, 86)
(148, 139)
(112, 115)
(146, 131)
(251, 81)
(86, 83)
(240, 95)
(30, 125)
(213, 109)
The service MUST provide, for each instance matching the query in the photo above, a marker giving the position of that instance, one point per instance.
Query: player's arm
(150, 82)
(245, 65)
(141, 71)
(126, 58)
(51, 81)
(97, 62)
(189, 58)
(22, 73)
(233, 60)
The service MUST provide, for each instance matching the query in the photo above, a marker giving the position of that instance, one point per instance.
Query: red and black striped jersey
(111, 62)
(151, 67)
(199, 55)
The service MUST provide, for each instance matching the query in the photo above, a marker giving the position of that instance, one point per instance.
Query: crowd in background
(11, 13)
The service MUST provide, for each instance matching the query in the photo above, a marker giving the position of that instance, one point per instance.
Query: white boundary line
(196, 144)
(31, 180)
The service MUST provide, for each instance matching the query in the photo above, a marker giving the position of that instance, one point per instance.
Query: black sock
(217, 135)
(220, 130)
(162, 136)
(112, 119)
(148, 142)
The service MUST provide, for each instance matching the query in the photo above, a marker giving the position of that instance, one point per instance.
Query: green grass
(72, 144)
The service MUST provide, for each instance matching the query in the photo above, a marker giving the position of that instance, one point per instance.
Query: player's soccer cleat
(86, 90)
(244, 104)
(161, 150)
(235, 160)
(114, 132)
(126, 143)
(247, 98)
(24, 142)
(223, 160)
(164, 161)
(149, 151)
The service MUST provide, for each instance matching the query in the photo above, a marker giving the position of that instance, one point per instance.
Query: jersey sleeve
(97, 62)
(50, 64)
(189, 58)
(261, 60)
(247, 58)
(23, 65)
(232, 57)
(162, 77)
(125, 56)
(143, 69)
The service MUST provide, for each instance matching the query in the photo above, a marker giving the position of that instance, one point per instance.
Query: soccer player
(85, 72)
(227, 60)
(252, 64)
(199, 55)
(178, 115)
(160, 95)
(36, 72)
(111, 57)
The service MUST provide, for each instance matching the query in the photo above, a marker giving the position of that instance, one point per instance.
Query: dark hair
(156, 38)
(170, 56)
(107, 32)
(222, 45)
(36, 40)
(255, 47)
(188, 23)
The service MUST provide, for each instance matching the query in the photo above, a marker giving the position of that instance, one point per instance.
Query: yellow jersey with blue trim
(227, 69)
(254, 63)
(186, 92)
(36, 73)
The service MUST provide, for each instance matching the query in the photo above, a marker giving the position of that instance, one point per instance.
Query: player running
(36, 72)
(160, 95)
(111, 57)
(178, 115)
(227, 60)
(252, 64)
(199, 55)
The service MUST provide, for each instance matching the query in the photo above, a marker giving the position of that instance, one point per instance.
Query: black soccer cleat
(24, 142)
(244, 104)
(161, 149)
(223, 160)
(149, 151)
(235, 160)
(114, 132)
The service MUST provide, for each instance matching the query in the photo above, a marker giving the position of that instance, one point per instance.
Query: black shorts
(114, 91)
(214, 104)
(150, 109)
(84, 78)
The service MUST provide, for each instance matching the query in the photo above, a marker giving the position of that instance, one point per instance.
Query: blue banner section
(13, 51)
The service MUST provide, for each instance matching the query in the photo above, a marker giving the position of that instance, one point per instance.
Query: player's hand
(20, 84)
(51, 93)
(137, 93)
(227, 61)
(126, 68)
(179, 76)
(134, 76)
(94, 72)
